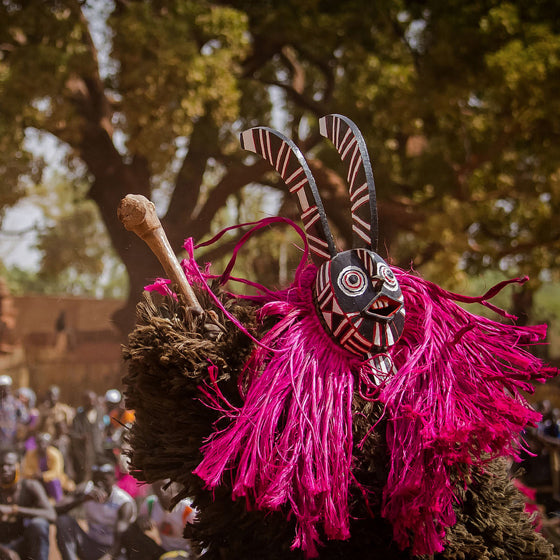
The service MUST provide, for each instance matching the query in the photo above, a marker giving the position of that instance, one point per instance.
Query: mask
(360, 301)
(357, 296)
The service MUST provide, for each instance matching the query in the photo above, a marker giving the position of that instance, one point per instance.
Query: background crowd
(68, 467)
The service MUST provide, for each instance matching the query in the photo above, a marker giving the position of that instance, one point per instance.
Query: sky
(16, 249)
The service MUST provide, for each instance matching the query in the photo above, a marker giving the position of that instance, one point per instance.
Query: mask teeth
(287, 159)
(351, 147)
(384, 306)
(379, 304)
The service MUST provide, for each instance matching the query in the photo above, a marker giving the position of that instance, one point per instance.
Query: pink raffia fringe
(290, 445)
(454, 403)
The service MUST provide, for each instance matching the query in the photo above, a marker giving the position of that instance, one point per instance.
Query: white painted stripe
(359, 165)
(359, 349)
(294, 175)
(299, 185)
(286, 161)
(309, 212)
(350, 144)
(357, 192)
(336, 308)
(348, 335)
(362, 339)
(336, 122)
(248, 140)
(262, 150)
(318, 242)
(390, 340)
(316, 250)
(344, 140)
(341, 327)
(361, 222)
(326, 290)
(359, 202)
(279, 156)
(377, 335)
(269, 147)
(303, 203)
(360, 233)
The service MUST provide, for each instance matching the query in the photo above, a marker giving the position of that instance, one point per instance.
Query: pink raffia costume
(447, 383)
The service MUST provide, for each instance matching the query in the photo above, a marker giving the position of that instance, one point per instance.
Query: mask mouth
(384, 307)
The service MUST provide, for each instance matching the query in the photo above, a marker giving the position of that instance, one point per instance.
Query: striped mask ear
(288, 160)
(351, 146)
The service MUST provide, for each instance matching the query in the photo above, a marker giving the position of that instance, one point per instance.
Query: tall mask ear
(351, 146)
(288, 160)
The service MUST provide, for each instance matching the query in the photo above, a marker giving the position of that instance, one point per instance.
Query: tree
(457, 102)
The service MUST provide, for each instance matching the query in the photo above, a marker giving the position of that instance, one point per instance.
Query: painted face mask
(360, 301)
(357, 296)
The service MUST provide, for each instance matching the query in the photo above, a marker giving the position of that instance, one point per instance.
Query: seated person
(157, 512)
(108, 510)
(25, 513)
(45, 463)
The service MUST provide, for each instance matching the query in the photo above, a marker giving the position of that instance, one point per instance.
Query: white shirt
(102, 518)
(170, 524)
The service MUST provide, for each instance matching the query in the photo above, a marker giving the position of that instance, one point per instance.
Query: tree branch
(300, 99)
(202, 146)
(263, 52)
(325, 69)
(236, 178)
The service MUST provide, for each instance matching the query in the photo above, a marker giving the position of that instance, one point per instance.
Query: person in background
(26, 432)
(55, 418)
(12, 414)
(117, 418)
(87, 435)
(25, 513)
(157, 512)
(108, 510)
(124, 479)
(46, 464)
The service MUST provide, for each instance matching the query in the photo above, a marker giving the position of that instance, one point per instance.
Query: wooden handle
(138, 215)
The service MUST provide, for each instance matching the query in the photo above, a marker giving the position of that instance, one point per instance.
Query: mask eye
(352, 281)
(385, 273)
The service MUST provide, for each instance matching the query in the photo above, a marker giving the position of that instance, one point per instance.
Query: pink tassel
(290, 445)
(454, 401)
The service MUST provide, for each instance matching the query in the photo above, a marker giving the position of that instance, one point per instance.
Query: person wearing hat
(12, 414)
(117, 418)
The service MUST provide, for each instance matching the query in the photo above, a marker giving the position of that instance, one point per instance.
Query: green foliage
(457, 100)
(177, 63)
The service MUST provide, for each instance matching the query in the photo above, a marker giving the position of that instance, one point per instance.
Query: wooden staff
(138, 215)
